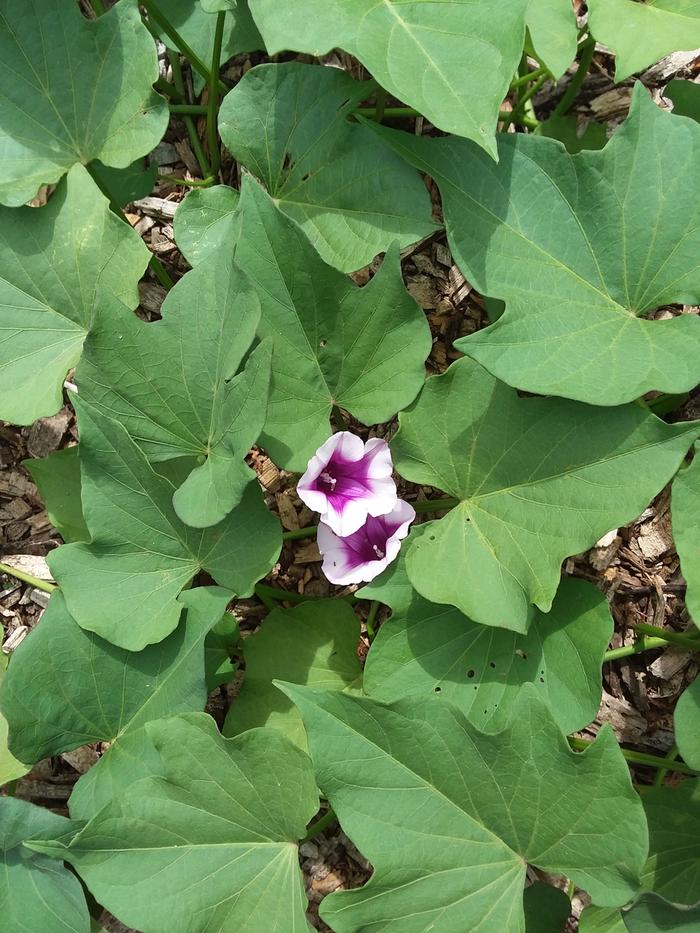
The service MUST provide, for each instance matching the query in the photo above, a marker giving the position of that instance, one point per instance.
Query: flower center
(378, 551)
(327, 482)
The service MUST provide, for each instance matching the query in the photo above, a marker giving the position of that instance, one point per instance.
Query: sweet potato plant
(446, 504)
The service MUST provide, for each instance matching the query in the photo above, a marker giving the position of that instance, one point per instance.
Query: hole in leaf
(492, 664)
(521, 654)
(470, 674)
(322, 343)
(437, 689)
(287, 162)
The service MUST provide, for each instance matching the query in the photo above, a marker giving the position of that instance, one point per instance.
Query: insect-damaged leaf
(334, 343)
(581, 248)
(68, 95)
(449, 816)
(538, 480)
(348, 191)
(124, 584)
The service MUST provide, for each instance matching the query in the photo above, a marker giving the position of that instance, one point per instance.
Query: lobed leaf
(68, 96)
(350, 194)
(205, 220)
(673, 867)
(58, 263)
(210, 834)
(429, 649)
(141, 555)
(179, 385)
(313, 644)
(35, 892)
(581, 248)
(362, 349)
(449, 816)
(105, 692)
(57, 477)
(538, 480)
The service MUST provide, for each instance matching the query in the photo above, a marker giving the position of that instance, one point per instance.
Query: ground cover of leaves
(636, 567)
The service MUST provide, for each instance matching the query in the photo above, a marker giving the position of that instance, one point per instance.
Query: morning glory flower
(361, 556)
(347, 480)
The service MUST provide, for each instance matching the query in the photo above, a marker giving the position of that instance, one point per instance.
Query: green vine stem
(676, 638)
(504, 116)
(369, 621)
(27, 578)
(530, 76)
(198, 110)
(165, 87)
(380, 104)
(587, 51)
(98, 7)
(188, 182)
(638, 758)
(321, 823)
(213, 101)
(162, 22)
(642, 644)
(174, 60)
(156, 266)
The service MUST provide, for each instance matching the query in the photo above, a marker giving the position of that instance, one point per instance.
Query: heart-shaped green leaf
(334, 343)
(10, 767)
(554, 33)
(538, 480)
(210, 835)
(673, 867)
(581, 248)
(685, 508)
(546, 908)
(641, 33)
(35, 892)
(686, 720)
(205, 220)
(431, 649)
(57, 478)
(451, 61)
(68, 96)
(179, 387)
(349, 192)
(105, 691)
(449, 816)
(313, 644)
(55, 261)
(124, 584)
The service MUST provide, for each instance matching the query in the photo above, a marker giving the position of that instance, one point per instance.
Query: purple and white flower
(347, 480)
(361, 556)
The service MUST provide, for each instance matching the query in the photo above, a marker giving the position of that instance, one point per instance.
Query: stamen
(330, 480)
(378, 551)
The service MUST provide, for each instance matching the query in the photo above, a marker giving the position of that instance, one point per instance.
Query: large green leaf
(537, 479)
(10, 767)
(57, 478)
(452, 61)
(55, 261)
(686, 98)
(685, 510)
(581, 248)
(334, 343)
(104, 691)
(652, 914)
(554, 33)
(546, 908)
(346, 189)
(179, 387)
(74, 90)
(686, 720)
(641, 33)
(449, 816)
(208, 842)
(673, 867)
(434, 649)
(36, 894)
(205, 220)
(193, 21)
(313, 644)
(124, 584)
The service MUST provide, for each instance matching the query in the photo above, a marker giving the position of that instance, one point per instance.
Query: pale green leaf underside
(179, 386)
(431, 649)
(205, 220)
(685, 507)
(351, 195)
(334, 343)
(57, 478)
(36, 893)
(104, 691)
(581, 248)
(641, 33)
(68, 96)
(686, 720)
(539, 480)
(673, 867)
(209, 834)
(451, 61)
(124, 584)
(449, 816)
(314, 644)
(57, 261)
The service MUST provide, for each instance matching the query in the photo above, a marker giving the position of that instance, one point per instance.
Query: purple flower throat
(343, 479)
